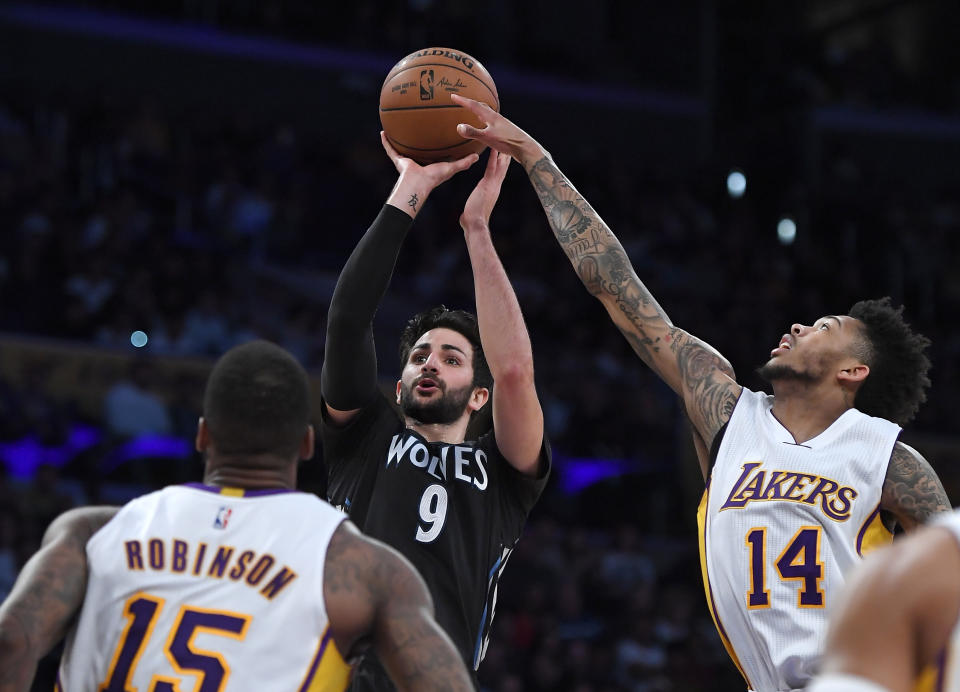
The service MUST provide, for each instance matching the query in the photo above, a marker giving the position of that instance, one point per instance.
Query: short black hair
(257, 401)
(897, 383)
(459, 321)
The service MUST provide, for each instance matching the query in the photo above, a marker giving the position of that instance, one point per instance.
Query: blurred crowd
(120, 218)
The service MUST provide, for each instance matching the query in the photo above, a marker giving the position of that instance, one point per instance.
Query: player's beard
(772, 372)
(443, 410)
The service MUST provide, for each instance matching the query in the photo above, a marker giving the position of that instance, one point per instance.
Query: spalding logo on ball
(416, 111)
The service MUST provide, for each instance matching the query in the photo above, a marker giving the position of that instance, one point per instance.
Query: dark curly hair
(459, 321)
(897, 383)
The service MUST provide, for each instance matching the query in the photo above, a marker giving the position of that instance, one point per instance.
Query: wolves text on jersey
(758, 485)
(466, 463)
(180, 557)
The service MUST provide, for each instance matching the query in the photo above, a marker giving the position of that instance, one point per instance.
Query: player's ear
(855, 374)
(479, 397)
(202, 440)
(308, 443)
(399, 382)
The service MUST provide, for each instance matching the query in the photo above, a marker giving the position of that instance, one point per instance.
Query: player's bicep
(50, 589)
(708, 387)
(518, 423)
(911, 490)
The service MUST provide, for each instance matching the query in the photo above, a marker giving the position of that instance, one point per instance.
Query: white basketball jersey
(944, 675)
(780, 524)
(207, 589)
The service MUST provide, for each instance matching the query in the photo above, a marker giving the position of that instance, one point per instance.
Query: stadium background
(199, 171)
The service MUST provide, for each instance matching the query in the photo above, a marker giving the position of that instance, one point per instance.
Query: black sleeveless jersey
(454, 510)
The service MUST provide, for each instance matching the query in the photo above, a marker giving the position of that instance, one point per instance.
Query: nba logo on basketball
(223, 516)
(426, 85)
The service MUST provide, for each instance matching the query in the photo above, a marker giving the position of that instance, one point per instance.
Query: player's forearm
(17, 663)
(601, 262)
(350, 366)
(503, 333)
(420, 657)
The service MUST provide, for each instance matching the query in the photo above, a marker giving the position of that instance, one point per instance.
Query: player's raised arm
(688, 365)
(47, 595)
(375, 598)
(517, 415)
(349, 376)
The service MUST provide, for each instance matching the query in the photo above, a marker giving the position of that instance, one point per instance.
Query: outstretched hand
(499, 133)
(480, 203)
(432, 174)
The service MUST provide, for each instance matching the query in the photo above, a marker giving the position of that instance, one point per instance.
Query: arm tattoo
(361, 576)
(912, 491)
(413, 201)
(599, 259)
(45, 599)
(604, 268)
(702, 369)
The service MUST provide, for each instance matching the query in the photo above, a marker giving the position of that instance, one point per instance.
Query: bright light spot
(138, 339)
(736, 184)
(786, 231)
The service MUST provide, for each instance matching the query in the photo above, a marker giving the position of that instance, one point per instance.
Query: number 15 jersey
(212, 589)
(780, 523)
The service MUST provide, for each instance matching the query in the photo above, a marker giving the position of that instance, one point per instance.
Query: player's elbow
(515, 375)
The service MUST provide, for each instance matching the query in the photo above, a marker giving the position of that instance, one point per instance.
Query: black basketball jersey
(454, 510)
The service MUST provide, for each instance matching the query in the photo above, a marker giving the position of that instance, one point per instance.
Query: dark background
(200, 170)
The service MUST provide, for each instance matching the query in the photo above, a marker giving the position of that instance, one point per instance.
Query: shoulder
(911, 489)
(361, 572)
(79, 524)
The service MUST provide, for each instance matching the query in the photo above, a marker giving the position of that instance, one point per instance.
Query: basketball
(416, 111)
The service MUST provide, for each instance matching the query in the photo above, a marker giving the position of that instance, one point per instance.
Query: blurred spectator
(132, 407)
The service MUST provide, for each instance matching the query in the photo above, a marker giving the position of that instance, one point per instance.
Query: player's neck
(451, 433)
(806, 410)
(225, 473)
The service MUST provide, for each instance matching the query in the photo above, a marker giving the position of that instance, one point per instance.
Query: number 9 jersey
(211, 589)
(780, 524)
(454, 510)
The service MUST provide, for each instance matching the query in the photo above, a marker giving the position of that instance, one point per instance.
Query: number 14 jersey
(780, 523)
(204, 588)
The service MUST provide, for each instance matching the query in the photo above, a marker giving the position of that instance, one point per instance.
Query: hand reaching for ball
(480, 203)
(499, 133)
(434, 173)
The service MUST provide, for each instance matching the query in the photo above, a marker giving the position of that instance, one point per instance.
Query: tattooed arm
(912, 492)
(375, 596)
(47, 595)
(349, 375)
(688, 365)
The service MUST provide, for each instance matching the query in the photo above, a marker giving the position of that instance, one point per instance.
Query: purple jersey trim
(246, 491)
(316, 660)
(941, 669)
(713, 608)
(863, 529)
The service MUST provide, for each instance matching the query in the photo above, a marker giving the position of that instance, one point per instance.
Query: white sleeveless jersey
(207, 589)
(944, 675)
(780, 525)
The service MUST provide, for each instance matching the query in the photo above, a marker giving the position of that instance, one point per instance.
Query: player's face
(437, 381)
(812, 352)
